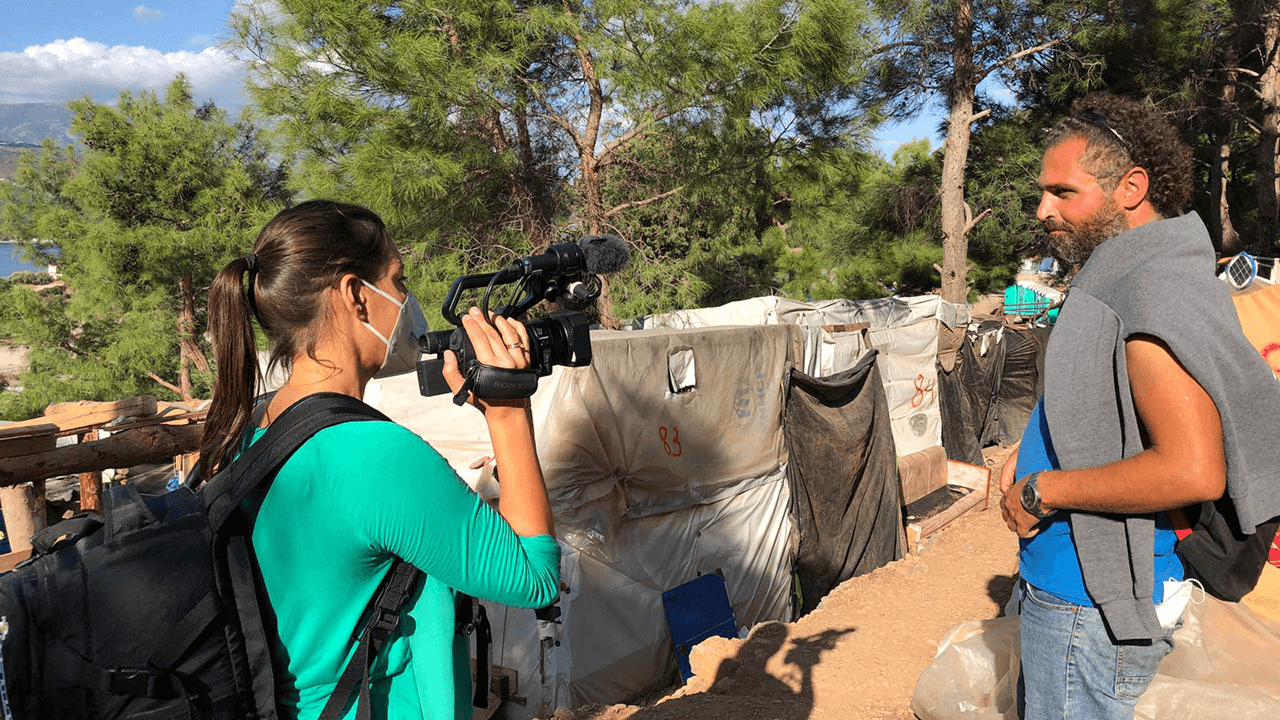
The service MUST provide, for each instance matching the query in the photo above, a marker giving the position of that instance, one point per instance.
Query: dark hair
(302, 252)
(1120, 133)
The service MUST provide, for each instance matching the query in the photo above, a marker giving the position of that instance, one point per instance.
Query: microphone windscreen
(605, 253)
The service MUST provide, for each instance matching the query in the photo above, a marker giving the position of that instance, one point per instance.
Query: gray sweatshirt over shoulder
(1157, 279)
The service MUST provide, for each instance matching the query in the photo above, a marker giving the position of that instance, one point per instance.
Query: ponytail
(304, 251)
(235, 351)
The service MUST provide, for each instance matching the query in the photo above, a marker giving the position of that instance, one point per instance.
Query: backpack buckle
(138, 683)
(386, 622)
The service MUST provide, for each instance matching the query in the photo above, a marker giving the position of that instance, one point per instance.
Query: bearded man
(1153, 400)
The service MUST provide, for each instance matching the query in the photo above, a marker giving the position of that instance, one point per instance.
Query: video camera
(565, 272)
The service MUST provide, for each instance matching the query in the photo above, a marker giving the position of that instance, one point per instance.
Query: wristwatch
(1031, 496)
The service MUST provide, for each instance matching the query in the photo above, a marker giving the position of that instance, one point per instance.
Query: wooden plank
(920, 473)
(848, 327)
(35, 427)
(158, 443)
(86, 413)
(9, 560)
(24, 513)
(68, 418)
(977, 479)
(13, 447)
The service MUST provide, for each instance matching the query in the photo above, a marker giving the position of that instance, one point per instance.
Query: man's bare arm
(1183, 461)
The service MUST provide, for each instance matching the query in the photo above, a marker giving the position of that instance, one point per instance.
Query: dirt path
(858, 655)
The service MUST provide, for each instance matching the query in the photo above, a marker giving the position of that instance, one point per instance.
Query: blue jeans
(1070, 667)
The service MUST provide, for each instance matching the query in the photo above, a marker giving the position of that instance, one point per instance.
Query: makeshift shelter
(843, 478)
(666, 459)
(1259, 312)
(838, 332)
(988, 396)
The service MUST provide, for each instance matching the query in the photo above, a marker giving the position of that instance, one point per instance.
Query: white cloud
(142, 13)
(69, 69)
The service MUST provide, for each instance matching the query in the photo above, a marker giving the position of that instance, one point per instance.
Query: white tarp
(664, 459)
(904, 330)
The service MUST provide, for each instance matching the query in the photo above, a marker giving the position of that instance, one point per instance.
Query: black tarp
(844, 477)
(989, 394)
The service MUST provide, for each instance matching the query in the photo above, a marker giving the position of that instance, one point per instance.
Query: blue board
(696, 611)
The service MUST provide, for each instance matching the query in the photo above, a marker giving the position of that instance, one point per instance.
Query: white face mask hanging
(402, 346)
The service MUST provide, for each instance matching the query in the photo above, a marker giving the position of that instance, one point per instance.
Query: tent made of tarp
(665, 459)
(988, 396)
(844, 478)
(838, 332)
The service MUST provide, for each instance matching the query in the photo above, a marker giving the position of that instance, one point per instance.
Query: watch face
(1029, 497)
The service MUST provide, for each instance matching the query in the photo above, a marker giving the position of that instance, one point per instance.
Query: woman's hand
(522, 501)
(504, 344)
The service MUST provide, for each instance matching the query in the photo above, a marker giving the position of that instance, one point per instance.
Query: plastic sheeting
(1223, 665)
(1259, 313)
(844, 478)
(904, 330)
(664, 459)
(989, 394)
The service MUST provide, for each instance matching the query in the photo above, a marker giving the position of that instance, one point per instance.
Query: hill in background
(31, 123)
(9, 154)
(23, 126)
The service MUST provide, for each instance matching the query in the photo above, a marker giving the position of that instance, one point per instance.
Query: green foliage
(484, 130)
(163, 190)
(1001, 177)
(861, 227)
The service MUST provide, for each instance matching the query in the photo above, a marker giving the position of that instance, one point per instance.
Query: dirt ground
(858, 655)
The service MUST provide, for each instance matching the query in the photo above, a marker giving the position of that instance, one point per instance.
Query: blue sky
(57, 50)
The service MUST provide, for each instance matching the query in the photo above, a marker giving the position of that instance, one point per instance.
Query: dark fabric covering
(844, 477)
(987, 399)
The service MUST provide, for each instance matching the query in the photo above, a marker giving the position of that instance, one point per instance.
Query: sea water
(11, 261)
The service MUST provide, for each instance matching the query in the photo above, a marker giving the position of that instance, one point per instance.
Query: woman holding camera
(326, 284)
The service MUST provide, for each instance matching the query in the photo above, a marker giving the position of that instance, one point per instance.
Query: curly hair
(1120, 133)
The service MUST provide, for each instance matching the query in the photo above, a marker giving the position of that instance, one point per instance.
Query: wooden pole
(157, 443)
(24, 513)
(90, 482)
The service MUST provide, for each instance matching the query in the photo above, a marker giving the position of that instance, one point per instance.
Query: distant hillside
(9, 153)
(31, 123)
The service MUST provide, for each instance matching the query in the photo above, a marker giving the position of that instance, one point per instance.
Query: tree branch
(162, 381)
(978, 116)
(628, 136)
(1243, 71)
(974, 222)
(641, 203)
(1023, 53)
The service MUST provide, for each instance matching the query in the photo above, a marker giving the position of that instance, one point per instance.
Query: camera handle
(496, 383)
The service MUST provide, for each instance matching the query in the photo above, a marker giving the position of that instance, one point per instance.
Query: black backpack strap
(470, 618)
(392, 595)
(224, 492)
(69, 530)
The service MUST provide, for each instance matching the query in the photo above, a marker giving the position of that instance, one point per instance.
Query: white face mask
(402, 347)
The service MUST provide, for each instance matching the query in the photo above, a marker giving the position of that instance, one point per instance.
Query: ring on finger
(514, 345)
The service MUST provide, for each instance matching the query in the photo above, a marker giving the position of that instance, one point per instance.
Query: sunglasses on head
(1102, 122)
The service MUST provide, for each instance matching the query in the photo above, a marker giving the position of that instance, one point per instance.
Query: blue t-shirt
(1049, 561)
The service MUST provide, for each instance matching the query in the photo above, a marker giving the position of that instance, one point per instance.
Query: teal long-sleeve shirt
(341, 507)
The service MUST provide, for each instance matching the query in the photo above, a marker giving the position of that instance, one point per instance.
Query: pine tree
(163, 193)
(942, 52)
(481, 129)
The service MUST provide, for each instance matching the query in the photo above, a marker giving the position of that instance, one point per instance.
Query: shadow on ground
(769, 676)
